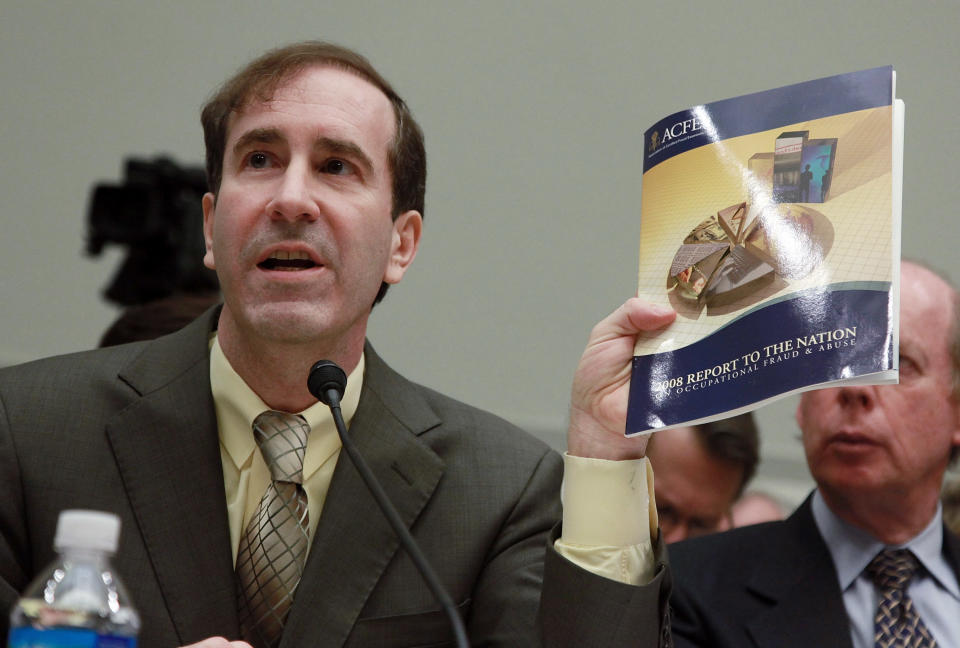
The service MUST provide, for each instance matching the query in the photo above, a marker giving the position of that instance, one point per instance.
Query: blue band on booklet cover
(761, 111)
(807, 339)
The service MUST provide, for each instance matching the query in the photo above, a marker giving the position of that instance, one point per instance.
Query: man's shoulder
(758, 585)
(463, 416)
(455, 422)
(732, 555)
(77, 369)
(138, 365)
(720, 551)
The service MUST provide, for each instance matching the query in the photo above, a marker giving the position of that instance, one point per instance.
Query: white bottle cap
(78, 529)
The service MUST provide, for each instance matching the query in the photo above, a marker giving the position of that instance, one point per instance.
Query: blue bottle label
(113, 641)
(66, 638)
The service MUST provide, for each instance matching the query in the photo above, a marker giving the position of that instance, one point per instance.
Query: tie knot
(893, 568)
(282, 438)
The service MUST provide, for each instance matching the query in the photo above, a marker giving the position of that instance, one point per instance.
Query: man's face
(867, 441)
(694, 491)
(300, 232)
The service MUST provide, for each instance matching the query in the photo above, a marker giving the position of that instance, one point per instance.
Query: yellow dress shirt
(609, 517)
(245, 473)
(609, 514)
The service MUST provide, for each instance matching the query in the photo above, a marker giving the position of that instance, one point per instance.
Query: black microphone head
(324, 376)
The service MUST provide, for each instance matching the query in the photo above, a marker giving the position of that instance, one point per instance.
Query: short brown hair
(258, 80)
(734, 440)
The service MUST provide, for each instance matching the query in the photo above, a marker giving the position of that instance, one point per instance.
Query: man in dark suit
(317, 175)
(878, 455)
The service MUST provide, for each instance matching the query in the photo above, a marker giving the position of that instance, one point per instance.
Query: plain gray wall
(534, 115)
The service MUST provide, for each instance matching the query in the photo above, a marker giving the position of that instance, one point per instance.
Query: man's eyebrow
(321, 144)
(257, 136)
(344, 147)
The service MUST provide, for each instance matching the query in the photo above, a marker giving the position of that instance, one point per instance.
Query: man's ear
(403, 248)
(209, 204)
(799, 414)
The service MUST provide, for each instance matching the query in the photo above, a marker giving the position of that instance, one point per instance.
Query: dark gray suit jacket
(763, 586)
(132, 430)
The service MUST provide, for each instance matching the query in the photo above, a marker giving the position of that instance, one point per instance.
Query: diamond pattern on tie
(274, 546)
(897, 623)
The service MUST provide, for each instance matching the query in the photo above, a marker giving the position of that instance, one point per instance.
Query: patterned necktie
(274, 546)
(897, 624)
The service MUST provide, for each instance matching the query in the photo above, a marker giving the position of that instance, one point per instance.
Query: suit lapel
(797, 578)
(167, 450)
(353, 543)
(951, 549)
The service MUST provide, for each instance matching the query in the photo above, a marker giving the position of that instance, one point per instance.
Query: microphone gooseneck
(328, 382)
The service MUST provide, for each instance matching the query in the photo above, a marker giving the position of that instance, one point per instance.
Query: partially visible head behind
(736, 441)
(158, 317)
(755, 507)
(257, 81)
(700, 472)
(868, 442)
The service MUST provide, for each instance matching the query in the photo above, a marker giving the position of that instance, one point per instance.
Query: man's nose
(295, 197)
(856, 396)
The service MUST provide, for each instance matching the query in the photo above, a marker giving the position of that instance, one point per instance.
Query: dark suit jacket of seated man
(878, 455)
(317, 175)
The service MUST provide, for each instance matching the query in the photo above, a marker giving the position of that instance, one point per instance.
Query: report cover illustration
(771, 224)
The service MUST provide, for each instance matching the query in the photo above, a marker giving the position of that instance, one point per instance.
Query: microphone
(327, 382)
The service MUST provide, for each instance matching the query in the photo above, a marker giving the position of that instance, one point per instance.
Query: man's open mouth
(287, 261)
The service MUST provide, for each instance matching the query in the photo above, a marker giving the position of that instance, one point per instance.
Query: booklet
(771, 224)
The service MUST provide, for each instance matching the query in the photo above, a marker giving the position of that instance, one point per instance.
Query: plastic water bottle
(78, 601)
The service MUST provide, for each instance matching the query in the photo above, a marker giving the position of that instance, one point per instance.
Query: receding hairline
(265, 90)
(262, 94)
(953, 325)
(262, 85)
(931, 272)
(939, 282)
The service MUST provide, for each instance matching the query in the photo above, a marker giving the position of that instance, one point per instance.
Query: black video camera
(156, 213)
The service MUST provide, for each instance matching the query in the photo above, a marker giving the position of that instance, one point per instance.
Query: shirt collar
(237, 405)
(852, 548)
